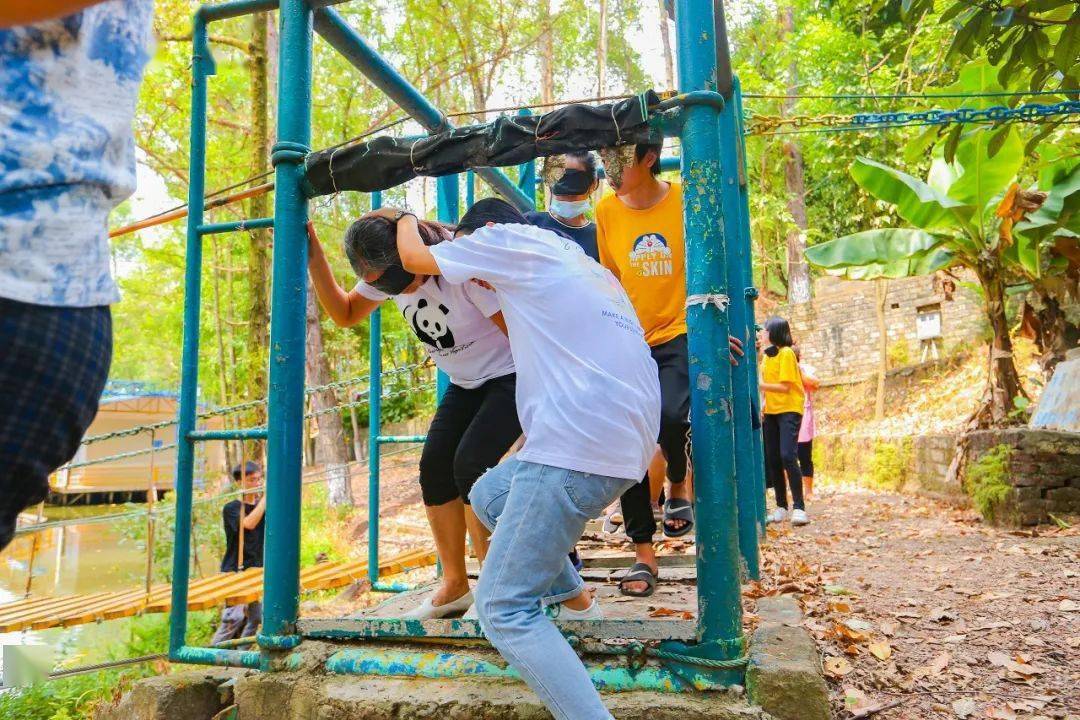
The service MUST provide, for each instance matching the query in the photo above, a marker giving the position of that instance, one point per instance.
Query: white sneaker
(427, 611)
(799, 517)
(778, 515)
(558, 611)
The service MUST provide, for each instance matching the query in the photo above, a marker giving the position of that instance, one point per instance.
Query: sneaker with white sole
(427, 611)
(799, 517)
(558, 611)
(778, 515)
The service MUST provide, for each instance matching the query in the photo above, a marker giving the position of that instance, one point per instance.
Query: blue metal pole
(448, 208)
(738, 249)
(748, 293)
(287, 325)
(202, 65)
(333, 28)
(719, 597)
(374, 422)
(470, 189)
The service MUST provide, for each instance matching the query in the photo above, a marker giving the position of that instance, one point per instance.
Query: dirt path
(924, 612)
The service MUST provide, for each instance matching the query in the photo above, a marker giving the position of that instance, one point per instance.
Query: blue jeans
(537, 513)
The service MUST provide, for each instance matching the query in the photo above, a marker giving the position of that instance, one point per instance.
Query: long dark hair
(493, 210)
(370, 243)
(779, 331)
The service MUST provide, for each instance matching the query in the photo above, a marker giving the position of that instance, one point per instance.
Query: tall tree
(665, 37)
(602, 51)
(798, 270)
(330, 448)
(547, 55)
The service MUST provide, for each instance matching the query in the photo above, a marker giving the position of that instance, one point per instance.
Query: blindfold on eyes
(394, 280)
(573, 182)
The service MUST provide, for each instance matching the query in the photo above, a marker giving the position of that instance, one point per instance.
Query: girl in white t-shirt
(461, 328)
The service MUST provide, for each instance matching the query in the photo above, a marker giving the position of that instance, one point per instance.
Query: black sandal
(640, 572)
(678, 509)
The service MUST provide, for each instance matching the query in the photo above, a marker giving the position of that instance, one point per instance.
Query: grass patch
(987, 481)
(890, 464)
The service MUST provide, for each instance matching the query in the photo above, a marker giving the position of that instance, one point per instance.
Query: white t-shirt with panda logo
(453, 321)
(588, 394)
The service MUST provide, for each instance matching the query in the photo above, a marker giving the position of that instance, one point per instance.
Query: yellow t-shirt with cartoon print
(646, 251)
(783, 367)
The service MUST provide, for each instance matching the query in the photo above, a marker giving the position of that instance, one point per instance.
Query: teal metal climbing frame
(726, 447)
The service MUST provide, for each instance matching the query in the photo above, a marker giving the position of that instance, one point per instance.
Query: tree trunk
(330, 449)
(220, 331)
(881, 295)
(260, 247)
(1003, 381)
(665, 37)
(798, 270)
(547, 56)
(601, 51)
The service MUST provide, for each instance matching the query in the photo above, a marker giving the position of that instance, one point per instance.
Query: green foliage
(890, 464)
(987, 481)
(899, 353)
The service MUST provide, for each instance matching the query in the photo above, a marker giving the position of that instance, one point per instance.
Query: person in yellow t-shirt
(640, 239)
(782, 385)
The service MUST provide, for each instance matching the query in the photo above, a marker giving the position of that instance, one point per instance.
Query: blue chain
(999, 113)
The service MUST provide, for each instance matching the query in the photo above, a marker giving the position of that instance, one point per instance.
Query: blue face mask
(568, 208)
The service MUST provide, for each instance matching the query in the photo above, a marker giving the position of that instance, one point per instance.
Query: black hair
(779, 331)
(490, 210)
(643, 149)
(370, 243)
(586, 158)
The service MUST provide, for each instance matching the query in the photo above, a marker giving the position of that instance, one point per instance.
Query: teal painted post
(287, 324)
(748, 293)
(738, 249)
(374, 427)
(470, 189)
(527, 170)
(202, 66)
(719, 598)
(448, 208)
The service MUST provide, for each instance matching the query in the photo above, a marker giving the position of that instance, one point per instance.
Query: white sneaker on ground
(778, 515)
(558, 611)
(428, 611)
(799, 517)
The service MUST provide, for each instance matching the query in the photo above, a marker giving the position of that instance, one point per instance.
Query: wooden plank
(20, 620)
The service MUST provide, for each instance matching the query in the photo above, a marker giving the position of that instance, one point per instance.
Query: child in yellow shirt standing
(781, 382)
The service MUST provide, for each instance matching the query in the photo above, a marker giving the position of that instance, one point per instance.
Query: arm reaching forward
(345, 308)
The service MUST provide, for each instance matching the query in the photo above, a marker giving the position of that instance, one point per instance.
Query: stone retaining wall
(1044, 467)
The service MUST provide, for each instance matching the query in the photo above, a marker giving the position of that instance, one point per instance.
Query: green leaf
(915, 149)
(965, 38)
(1024, 251)
(983, 177)
(915, 201)
(882, 246)
(1067, 49)
(1004, 18)
(951, 141)
(997, 140)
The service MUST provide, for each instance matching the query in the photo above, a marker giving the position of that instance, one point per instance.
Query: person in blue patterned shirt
(69, 77)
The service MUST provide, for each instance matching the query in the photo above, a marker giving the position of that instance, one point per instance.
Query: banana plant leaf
(915, 201)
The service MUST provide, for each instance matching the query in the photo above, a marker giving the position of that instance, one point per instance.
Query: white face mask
(568, 208)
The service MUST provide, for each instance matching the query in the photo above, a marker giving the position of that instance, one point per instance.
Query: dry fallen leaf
(662, 612)
(964, 707)
(1069, 606)
(837, 667)
(1000, 713)
(881, 650)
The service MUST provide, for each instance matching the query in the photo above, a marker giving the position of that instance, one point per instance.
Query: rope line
(911, 96)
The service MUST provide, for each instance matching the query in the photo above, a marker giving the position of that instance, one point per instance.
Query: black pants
(673, 366)
(806, 458)
(471, 431)
(53, 366)
(780, 435)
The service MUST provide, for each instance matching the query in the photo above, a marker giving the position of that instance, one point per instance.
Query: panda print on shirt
(429, 322)
(453, 322)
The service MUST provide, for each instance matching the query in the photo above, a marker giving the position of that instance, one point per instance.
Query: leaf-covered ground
(921, 611)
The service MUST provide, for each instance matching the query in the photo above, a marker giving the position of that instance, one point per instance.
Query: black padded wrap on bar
(386, 162)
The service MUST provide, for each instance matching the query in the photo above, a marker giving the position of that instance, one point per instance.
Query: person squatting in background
(781, 384)
(476, 422)
(589, 402)
(243, 551)
(807, 428)
(70, 70)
